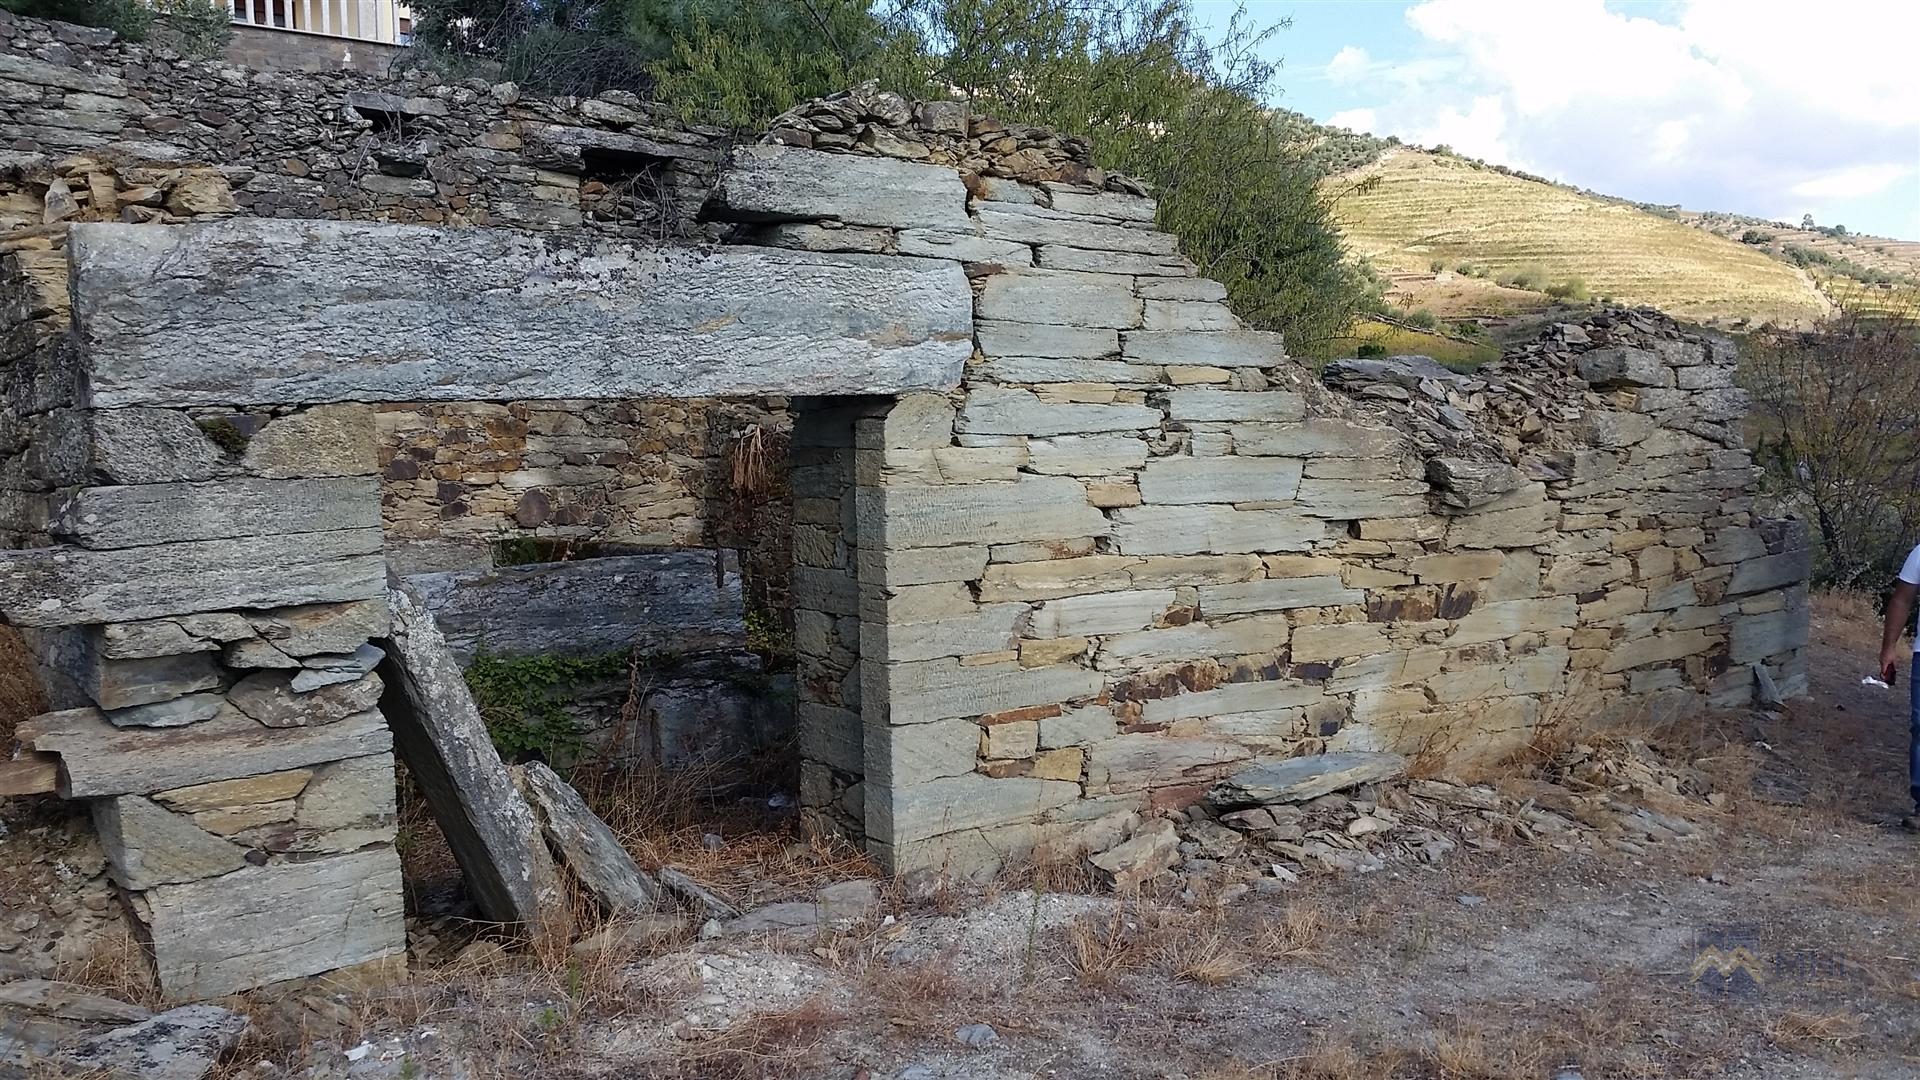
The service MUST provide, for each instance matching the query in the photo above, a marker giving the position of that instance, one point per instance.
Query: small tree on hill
(1837, 412)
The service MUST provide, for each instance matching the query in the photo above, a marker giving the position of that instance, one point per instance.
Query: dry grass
(1803, 1031)
(764, 1046)
(1427, 207)
(20, 694)
(116, 965)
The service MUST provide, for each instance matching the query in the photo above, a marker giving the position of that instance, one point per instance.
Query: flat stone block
(1318, 438)
(1276, 594)
(121, 517)
(786, 183)
(1060, 297)
(1181, 480)
(903, 815)
(275, 923)
(917, 693)
(999, 338)
(1227, 348)
(408, 313)
(1196, 641)
(1032, 508)
(1184, 530)
(994, 410)
(1203, 405)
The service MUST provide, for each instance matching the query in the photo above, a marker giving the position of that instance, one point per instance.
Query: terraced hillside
(1425, 217)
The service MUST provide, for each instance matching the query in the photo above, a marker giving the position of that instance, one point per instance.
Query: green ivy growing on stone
(523, 700)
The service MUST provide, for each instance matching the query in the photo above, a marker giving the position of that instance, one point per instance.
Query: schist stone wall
(137, 134)
(1068, 540)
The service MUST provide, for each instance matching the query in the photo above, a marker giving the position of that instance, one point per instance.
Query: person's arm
(1899, 615)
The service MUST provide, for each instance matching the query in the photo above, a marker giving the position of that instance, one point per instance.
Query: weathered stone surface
(784, 183)
(1184, 530)
(1233, 698)
(945, 689)
(150, 446)
(1469, 484)
(100, 760)
(1771, 572)
(175, 713)
(1085, 455)
(269, 697)
(1060, 297)
(1108, 204)
(1302, 778)
(147, 845)
(1100, 613)
(272, 787)
(678, 601)
(121, 517)
(585, 845)
(1276, 594)
(311, 629)
(999, 338)
(439, 734)
(69, 586)
(953, 803)
(1622, 366)
(1062, 257)
(1032, 508)
(1337, 641)
(1139, 762)
(1227, 348)
(68, 1001)
(1153, 849)
(326, 440)
(329, 669)
(1239, 637)
(1181, 480)
(983, 629)
(1217, 405)
(993, 410)
(167, 637)
(1756, 637)
(967, 247)
(253, 653)
(1505, 618)
(179, 1044)
(404, 313)
(900, 757)
(895, 568)
(1039, 225)
(1349, 500)
(277, 922)
(120, 684)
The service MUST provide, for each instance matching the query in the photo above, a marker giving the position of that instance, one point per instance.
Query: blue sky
(1774, 108)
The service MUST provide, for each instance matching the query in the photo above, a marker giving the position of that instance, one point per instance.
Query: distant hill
(1463, 239)
(1856, 269)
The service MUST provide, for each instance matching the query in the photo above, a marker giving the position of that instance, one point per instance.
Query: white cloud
(1349, 64)
(1354, 120)
(1855, 182)
(1732, 104)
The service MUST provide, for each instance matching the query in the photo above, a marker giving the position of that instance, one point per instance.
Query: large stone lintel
(249, 312)
(68, 586)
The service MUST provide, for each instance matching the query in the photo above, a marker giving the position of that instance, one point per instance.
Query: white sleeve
(1910, 573)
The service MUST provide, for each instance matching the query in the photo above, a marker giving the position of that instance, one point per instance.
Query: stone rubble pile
(50, 1028)
(1623, 797)
(868, 120)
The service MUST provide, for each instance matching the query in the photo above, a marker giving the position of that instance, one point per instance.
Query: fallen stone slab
(1152, 850)
(696, 895)
(180, 1044)
(638, 932)
(585, 845)
(1302, 778)
(839, 903)
(69, 1001)
(438, 732)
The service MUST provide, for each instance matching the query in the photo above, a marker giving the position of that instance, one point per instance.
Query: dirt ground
(1782, 941)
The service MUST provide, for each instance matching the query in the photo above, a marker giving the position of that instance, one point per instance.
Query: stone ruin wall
(162, 138)
(1133, 548)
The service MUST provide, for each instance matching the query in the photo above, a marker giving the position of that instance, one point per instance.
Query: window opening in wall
(623, 186)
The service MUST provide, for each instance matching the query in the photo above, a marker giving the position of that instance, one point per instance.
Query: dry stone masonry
(1069, 542)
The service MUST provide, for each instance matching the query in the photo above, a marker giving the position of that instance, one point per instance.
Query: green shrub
(1437, 265)
(523, 700)
(131, 19)
(199, 29)
(1531, 278)
(1370, 348)
(1423, 319)
(1570, 289)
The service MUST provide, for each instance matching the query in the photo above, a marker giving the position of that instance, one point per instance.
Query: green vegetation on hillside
(1158, 101)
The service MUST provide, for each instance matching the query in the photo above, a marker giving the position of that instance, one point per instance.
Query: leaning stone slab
(69, 586)
(439, 734)
(180, 1044)
(1302, 778)
(696, 895)
(122, 517)
(276, 922)
(407, 313)
(786, 183)
(585, 845)
(98, 759)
